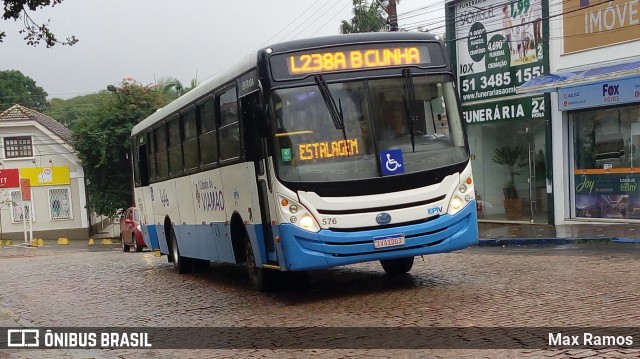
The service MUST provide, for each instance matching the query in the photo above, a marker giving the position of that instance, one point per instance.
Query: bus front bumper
(327, 248)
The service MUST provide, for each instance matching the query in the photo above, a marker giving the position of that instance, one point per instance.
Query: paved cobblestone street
(87, 286)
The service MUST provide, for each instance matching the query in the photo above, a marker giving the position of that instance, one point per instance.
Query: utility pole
(393, 16)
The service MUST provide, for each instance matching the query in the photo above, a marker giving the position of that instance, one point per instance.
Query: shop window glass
(605, 182)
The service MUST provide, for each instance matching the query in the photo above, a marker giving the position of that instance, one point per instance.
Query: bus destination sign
(305, 63)
(301, 63)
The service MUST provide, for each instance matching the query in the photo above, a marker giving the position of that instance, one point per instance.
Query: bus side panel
(144, 205)
(164, 202)
(239, 184)
(207, 197)
(223, 242)
(184, 200)
(153, 230)
(150, 237)
(196, 241)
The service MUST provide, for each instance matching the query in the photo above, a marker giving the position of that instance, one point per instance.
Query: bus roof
(247, 63)
(250, 61)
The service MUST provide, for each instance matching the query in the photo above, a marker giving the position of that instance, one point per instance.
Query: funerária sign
(518, 109)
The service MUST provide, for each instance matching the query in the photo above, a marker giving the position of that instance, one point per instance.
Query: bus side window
(162, 165)
(207, 137)
(190, 140)
(174, 147)
(229, 125)
(140, 158)
(151, 153)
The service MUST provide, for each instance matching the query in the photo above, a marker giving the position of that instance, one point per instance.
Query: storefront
(604, 125)
(509, 155)
(498, 47)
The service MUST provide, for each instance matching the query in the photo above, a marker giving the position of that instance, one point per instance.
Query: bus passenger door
(254, 122)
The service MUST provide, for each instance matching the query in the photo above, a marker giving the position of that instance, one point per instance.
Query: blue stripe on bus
(304, 250)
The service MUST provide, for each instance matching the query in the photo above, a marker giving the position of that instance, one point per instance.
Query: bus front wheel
(180, 263)
(397, 266)
(262, 279)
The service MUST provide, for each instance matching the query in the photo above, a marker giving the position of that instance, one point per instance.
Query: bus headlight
(307, 222)
(463, 194)
(297, 214)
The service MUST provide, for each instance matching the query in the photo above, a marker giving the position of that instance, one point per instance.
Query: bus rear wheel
(261, 279)
(397, 266)
(180, 263)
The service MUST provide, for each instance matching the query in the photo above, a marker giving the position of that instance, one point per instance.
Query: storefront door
(508, 160)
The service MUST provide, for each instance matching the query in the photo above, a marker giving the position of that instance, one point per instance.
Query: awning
(552, 82)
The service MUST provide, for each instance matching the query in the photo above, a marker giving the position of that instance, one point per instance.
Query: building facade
(36, 152)
(587, 90)
(497, 47)
(595, 97)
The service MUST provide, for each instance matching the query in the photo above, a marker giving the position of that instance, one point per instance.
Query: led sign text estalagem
(341, 148)
(303, 63)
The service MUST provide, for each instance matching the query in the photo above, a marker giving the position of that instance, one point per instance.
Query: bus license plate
(388, 241)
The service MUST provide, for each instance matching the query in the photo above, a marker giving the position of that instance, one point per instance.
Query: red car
(130, 230)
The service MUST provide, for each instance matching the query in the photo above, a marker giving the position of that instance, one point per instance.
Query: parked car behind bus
(130, 231)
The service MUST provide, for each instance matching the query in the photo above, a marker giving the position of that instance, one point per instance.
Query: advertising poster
(499, 46)
(610, 195)
(46, 176)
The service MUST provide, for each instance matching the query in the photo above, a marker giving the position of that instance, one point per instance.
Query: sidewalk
(492, 234)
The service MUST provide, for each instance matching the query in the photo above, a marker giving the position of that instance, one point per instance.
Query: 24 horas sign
(499, 46)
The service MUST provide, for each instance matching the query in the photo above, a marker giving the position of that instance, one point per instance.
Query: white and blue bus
(294, 160)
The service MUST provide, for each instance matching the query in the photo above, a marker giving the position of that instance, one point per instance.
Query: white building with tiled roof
(36, 147)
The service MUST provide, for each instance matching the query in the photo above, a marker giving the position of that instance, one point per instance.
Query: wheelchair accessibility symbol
(392, 162)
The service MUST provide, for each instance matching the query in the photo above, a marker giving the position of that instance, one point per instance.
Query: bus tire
(261, 279)
(180, 264)
(397, 266)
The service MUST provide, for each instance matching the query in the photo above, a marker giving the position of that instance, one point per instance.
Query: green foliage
(514, 159)
(69, 112)
(32, 32)
(103, 144)
(173, 88)
(366, 18)
(16, 88)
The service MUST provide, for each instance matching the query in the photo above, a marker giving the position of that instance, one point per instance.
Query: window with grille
(60, 203)
(18, 208)
(15, 147)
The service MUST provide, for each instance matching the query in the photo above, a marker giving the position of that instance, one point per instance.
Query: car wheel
(125, 247)
(397, 266)
(180, 263)
(136, 246)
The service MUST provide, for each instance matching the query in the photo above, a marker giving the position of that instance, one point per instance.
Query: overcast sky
(186, 39)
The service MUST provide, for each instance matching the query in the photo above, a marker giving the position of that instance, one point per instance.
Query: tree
(103, 144)
(33, 32)
(70, 111)
(173, 88)
(16, 88)
(366, 18)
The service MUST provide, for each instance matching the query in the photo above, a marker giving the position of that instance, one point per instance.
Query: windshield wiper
(409, 100)
(335, 111)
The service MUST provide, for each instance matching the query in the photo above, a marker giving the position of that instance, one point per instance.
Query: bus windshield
(414, 114)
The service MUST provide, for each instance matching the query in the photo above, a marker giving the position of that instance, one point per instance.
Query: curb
(545, 241)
